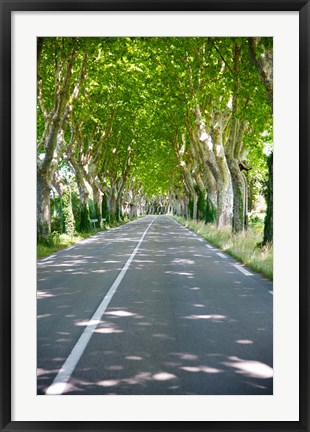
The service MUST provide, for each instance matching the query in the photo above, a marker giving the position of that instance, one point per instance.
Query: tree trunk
(268, 229)
(58, 185)
(224, 204)
(112, 205)
(97, 197)
(118, 210)
(84, 224)
(43, 207)
(185, 209)
(224, 187)
(215, 160)
(239, 194)
(211, 205)
(263, 64)
(246, 200)
(195, 207)
(105, 208)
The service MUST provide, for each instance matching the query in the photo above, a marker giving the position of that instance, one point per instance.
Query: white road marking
(47, 258)
(243, 270)
(221, 255)
(210, 247)
(59, 384)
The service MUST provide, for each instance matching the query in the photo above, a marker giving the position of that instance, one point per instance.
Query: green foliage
(137, 95)
(201, 205)
(210, 213)
(43, 233)
(57, 217)
(76, 210)
(241, 246)
(56, 241)
(57, 224)
(191, 208)
(92, 210)
(97, 212)
(68, 213)
(256, 222)
(105, 208)
(84, 219)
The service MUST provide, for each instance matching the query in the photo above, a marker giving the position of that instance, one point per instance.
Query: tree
(261, 53)
(55, 100)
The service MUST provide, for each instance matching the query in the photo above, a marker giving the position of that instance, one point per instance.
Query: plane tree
(261, 53)
(61, 70)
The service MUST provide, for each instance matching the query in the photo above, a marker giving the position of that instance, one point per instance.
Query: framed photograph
(181, 65)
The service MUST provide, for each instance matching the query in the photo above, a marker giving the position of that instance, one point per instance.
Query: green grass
(243, 246)
(58, 241)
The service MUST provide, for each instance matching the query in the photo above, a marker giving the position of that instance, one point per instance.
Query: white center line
(243, 270)
(64, 374)
(221, 255)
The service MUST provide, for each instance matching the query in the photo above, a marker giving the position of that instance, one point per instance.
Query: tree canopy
(135, 125)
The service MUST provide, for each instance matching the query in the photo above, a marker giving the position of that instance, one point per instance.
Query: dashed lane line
(243, 270)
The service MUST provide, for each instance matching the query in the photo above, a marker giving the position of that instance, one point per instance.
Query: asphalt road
(150, 308)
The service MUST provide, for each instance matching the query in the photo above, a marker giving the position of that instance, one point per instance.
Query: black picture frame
(7, 7)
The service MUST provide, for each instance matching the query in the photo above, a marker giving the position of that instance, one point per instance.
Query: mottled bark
(97, 198)
(187, 177)
(239, 196)
(118, 211)
(43, 207)
(59, 186)
(83, 191)
(216, 160)
(201, 144)
(224, 205)
(55, 121)
(112, 203)
(264, 66)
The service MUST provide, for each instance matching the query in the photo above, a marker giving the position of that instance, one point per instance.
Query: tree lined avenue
(141, 133)
(133, 126)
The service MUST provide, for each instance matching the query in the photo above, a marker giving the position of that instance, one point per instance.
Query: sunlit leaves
(139, 92)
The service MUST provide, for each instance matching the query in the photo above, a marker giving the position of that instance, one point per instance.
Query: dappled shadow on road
(170, 329)
(66, 298)
(139, 353)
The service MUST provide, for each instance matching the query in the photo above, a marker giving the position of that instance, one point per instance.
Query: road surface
(150, 308)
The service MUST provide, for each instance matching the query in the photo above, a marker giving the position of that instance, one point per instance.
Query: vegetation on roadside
(57, 241)
(246, 246)
(128, 126)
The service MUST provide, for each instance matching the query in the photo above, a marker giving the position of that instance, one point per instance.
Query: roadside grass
(58, 241)
(244, 246)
